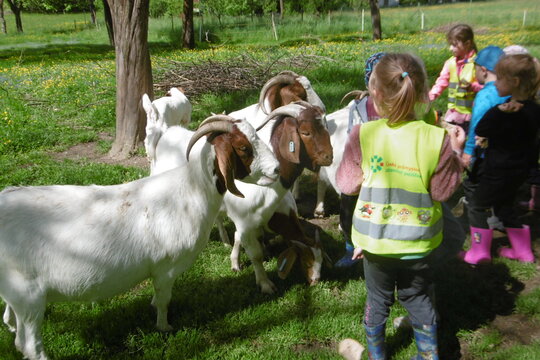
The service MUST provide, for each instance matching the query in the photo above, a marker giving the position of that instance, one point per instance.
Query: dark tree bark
(92, 9)
(2, 18)
(133, 73)
(108, 21)
(188, 38)
(281, 9)
(375, 19)
(16, 10)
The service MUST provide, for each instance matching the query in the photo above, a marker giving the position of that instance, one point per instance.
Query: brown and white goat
(298, 136)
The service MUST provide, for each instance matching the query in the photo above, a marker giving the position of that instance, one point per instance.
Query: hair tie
(403, 74)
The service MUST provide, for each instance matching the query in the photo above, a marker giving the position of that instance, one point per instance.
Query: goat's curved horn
(359, 94)
(292, 110)
(216, 117)
(288, 72)
(284, 77)
(209, 125)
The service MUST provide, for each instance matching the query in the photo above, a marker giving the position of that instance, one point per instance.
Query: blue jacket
(485, 99)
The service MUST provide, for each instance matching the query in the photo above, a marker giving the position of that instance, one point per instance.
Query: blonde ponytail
(400, 82)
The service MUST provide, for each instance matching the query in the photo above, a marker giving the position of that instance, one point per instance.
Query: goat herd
(65, 242)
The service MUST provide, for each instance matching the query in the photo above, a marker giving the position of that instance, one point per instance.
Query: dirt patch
(90, 152)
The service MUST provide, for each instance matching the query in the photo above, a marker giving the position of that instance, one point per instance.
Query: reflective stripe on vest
(460, 98)
(395, 213)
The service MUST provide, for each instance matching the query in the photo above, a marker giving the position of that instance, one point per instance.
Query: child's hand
(466, 159)
(357, 254)
(510, 107)
(457, 138)
(464, 84)
(481, 141)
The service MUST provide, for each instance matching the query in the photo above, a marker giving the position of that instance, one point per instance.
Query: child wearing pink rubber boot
(510, 131)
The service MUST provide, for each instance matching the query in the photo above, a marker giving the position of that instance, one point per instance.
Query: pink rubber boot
(520, 239)
(480, 250)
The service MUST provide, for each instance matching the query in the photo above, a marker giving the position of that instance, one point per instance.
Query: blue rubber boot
(346, 260)
(375, 341)
(426, 342)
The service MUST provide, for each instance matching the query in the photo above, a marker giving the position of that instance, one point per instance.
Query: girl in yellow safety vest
(458, 75)
(402, 167)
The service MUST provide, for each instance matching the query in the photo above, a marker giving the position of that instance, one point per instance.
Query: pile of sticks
(243, 72)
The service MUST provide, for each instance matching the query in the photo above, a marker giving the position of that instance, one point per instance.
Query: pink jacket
(444, 77)
(444, 181)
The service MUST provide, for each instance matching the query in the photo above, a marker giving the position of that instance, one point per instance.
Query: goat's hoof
(236, 268)
(268, 288)
(318, 214)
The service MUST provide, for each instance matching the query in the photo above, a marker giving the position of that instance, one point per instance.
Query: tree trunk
(16, 10)
(375, 19)
(281, 9)
(108, 21)
(188, 38)
(92, 9)
(133, 73)
(2, 18)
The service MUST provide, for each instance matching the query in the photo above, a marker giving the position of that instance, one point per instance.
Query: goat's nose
(327, 159)
(276, 170)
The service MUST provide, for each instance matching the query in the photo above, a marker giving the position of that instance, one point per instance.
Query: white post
(524, 17)
(274, 27)
(422, 21)
(362, 20)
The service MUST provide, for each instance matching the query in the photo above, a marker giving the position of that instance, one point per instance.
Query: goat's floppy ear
(289, 144)
(227, 165)
(286, 261)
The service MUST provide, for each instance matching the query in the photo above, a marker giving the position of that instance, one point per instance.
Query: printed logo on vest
(424, 216)
(366, 211)
(403, 214)
(376, 163)
(387, 212)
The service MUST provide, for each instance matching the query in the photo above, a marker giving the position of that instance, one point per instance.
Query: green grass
(57, 89)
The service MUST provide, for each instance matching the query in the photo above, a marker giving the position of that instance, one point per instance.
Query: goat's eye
(305, 133)
(243, 148)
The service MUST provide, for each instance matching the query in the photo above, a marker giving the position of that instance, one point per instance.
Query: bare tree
(188, 38)
(2, 18)
(92, 9)
(133, 73)
(375, 19)
(16, 10)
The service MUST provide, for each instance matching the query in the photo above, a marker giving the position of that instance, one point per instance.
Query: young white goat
(299, 139)
(162, 113)
(66, 242)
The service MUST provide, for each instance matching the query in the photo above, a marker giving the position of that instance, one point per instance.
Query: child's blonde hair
(462, 33)
(525, 68)
(399, 82)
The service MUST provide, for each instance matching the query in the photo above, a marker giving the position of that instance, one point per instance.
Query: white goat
(162, 113)
(66, 242)
(300, 139)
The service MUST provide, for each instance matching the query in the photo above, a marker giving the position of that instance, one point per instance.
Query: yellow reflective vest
(459, 97)
(395, 213)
